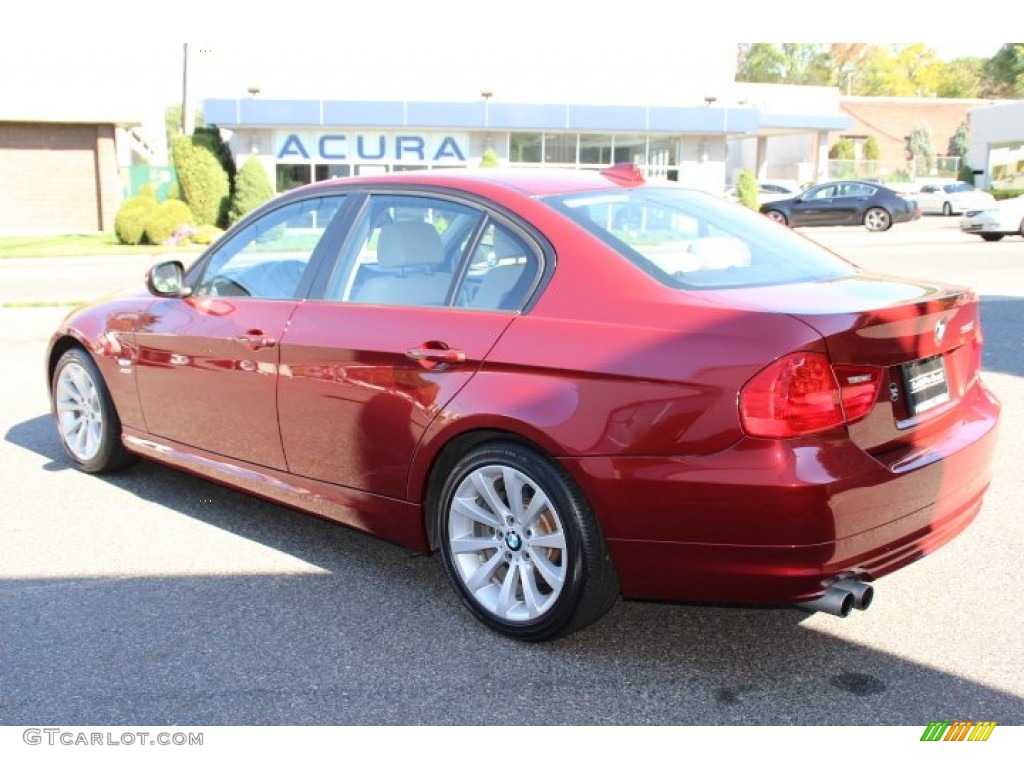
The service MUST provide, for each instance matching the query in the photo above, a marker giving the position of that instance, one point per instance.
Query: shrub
(202, 179)
(166, 220)
(147, 190)
(252, 189)
(489, 159)
(206, 234)
(871, 149)
(130, 221)
(746, 189)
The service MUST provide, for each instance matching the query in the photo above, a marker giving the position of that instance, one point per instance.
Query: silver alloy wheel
(79, 412)
(776, 216)
(877, 220)
(507, 543)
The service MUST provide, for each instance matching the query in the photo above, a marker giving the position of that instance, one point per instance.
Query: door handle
(254, 340)
(434, 353)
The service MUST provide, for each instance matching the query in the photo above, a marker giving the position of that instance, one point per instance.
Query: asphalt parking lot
(155, 597)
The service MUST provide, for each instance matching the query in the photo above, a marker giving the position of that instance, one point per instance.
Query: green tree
(746, 189)
(792, 63)
(922, 150)
(252, 189)
(1004, 73)
(961, 79)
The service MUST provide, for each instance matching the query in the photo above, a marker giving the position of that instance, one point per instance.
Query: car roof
(527, 181)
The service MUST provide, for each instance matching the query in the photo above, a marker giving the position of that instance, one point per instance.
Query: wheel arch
(57, 349)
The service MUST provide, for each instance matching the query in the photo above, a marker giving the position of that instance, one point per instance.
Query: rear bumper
(772, 521)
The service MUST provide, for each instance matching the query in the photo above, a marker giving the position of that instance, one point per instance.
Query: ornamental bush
(130, 221)
(746, 189)
(252, 189)
(166, 220)
(203, 182)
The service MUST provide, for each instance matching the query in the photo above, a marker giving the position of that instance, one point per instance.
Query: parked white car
(770, 190)
(993, 222)
(953, 197)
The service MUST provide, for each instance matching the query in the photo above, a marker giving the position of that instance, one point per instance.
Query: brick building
(59, 176)
(892, 119)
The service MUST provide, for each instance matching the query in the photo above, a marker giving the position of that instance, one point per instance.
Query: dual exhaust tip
(842, 597)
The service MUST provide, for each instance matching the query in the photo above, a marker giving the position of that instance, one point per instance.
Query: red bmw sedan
(575, 386)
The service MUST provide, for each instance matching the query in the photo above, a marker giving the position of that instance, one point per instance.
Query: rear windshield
(691, 240)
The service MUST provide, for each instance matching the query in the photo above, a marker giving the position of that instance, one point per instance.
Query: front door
(208, 363)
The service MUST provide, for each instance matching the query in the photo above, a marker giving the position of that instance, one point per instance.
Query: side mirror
(167, 279)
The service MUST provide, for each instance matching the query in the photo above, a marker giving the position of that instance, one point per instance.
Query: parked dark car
(840, 203)
(571, 385)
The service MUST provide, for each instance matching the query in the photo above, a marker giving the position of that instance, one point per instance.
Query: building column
(820, 157)
(761, 159)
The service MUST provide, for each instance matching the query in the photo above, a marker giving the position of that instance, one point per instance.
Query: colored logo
(958, 730)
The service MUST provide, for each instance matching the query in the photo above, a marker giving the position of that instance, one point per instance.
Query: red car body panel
(630, 384)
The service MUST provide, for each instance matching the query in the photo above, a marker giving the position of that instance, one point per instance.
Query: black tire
(87, 422)
(992, 237)
(493, 547)
(947, 209)
(777, 216)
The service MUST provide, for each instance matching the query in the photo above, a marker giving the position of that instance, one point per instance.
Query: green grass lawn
(44, 246)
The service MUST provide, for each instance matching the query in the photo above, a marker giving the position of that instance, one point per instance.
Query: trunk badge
(940, 330)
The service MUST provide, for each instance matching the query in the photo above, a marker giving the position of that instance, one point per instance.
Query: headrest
(409, 244)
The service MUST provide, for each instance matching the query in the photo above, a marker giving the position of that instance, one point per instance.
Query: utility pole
(188, 115)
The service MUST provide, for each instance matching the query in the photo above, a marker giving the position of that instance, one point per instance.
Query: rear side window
(691, 240)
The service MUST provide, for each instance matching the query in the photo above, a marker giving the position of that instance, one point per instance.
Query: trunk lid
(926, 338)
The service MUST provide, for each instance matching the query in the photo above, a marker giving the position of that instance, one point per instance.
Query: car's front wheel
(87, 422)
(993, 237)
(877, 220)
(947, 209)
(521, 544)
(777, 216)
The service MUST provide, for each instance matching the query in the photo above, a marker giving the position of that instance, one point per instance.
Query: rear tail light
(802, 393)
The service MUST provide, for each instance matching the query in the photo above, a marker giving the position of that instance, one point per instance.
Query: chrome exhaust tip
(837, 601)
(863, 593)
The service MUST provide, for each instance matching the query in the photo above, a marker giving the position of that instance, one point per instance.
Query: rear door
(423, 289)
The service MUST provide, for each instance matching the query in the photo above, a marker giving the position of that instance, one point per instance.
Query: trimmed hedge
(746, 189)
(1006, 194)
(202, 179)
(252, 189)
(131, 218)
(166, 219)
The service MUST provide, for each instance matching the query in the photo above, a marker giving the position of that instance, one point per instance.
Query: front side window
(268, 258)
(691, 240)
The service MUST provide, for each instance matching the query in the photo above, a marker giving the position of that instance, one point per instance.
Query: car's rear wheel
(877, 219)
(89, 428)
(947, 209)
(993, 237)
(521, 544)
(778, 216)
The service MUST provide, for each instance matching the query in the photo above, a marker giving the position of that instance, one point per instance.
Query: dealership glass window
(595, 149)
(525, 148)
(560, 148)
(292, 176)
(631, 148)
(324, 172)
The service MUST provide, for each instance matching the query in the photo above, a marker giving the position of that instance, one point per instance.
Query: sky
(124, 59)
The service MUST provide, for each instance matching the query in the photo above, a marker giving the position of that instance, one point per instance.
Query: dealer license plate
(925, 383)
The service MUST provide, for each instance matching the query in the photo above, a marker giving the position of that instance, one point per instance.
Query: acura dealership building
(702, 145)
